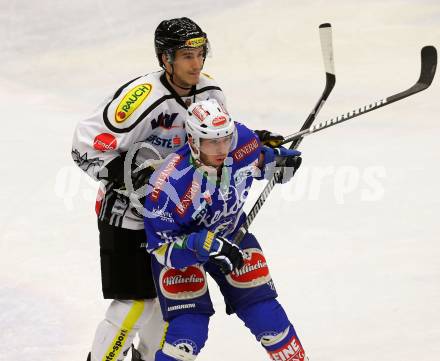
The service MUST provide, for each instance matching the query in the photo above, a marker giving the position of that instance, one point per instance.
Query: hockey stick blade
(325, 35)
(427, 73)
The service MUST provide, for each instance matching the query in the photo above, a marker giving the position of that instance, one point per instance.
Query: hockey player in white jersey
(150, 109)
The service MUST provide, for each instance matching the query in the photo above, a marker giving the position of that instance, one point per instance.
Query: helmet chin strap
(194, 146)
(172, 79)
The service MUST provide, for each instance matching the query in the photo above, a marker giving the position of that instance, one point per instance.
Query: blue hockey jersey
(183, 198)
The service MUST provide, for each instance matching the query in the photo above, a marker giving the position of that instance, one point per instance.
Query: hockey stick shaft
(428, 68)
(427, 73)
(325, 34)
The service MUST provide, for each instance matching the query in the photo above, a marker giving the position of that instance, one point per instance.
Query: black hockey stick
(427, 72)
(325, 34)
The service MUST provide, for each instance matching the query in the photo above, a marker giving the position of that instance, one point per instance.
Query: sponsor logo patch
(183, 284)
(187, 199)
(104, 142)
(132, 100)
(177, 141)
(293, 351)
(164, 121)
(254, 273)
(208, 241)
(195, 42)
(220, 120)
(186, 345)
(200, 113)
(163, 177)
(181, 307)
(169, 143)
(119, 342)
(245, 150)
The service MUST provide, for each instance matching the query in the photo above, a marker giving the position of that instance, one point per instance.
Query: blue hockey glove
(288, 159)
(207, 246)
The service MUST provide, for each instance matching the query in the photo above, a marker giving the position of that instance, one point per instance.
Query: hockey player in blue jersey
(193, 208)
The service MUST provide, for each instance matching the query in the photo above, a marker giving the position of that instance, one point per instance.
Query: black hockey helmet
(174, 34)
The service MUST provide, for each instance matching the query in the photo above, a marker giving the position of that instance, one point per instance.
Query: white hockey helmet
(207, 119)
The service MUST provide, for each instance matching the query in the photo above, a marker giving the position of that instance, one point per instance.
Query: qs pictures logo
(132, 100)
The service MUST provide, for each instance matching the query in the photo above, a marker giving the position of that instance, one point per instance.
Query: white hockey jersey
(146, 109)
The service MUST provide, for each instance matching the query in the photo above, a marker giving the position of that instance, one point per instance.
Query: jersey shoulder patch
(132, 99)
(248, 144)
(132, 102)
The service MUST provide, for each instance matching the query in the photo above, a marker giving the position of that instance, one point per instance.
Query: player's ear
(165, 61)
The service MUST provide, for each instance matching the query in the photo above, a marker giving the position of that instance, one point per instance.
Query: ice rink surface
(353, 244)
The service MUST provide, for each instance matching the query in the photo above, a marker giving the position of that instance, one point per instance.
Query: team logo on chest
(229, 207)
(183, 284)
(255, 271)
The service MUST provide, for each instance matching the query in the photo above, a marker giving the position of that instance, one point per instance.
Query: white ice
(353, 244)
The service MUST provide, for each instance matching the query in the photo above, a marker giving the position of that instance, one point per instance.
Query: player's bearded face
(213, 152)
(188, 64)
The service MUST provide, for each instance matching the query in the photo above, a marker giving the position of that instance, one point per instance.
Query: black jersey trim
(119, 91)
(209, 87)
(159, 101)
(141, 117)
(166, 84)
(116, 95)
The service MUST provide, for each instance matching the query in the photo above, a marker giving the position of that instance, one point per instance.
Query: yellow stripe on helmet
(195, 42)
